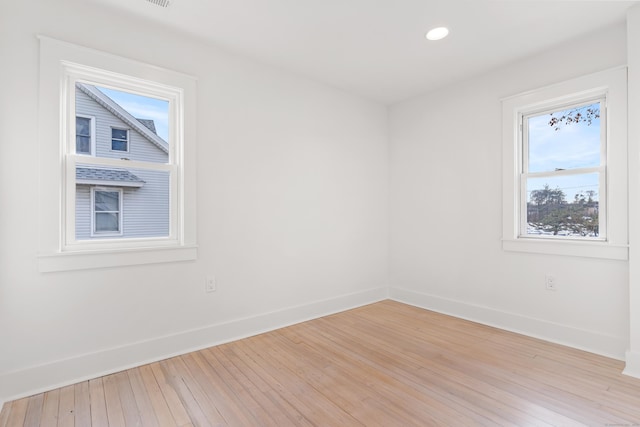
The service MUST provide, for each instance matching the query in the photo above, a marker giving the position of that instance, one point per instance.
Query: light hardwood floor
(386, 364)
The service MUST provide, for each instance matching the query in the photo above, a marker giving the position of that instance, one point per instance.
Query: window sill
(68, 261)
(591, 249)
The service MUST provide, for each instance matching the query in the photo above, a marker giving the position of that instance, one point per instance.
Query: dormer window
(119, 139)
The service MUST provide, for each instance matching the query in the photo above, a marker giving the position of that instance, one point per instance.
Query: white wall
(292, 209)
(633, 57)
(446, 209)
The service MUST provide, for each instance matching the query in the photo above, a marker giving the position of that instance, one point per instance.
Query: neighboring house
(115, 202)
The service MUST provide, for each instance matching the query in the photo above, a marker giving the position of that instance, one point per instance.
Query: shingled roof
(149, 124)
(113, 177)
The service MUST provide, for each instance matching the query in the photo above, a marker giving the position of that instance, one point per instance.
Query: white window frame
(610, 85)
(73, 73)
(117, 139)
(601, 169)
(92, 129)
(61, 66)
(94, 232)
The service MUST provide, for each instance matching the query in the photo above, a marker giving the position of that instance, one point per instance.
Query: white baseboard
(632, 366)
(37, 379)
(593, 342)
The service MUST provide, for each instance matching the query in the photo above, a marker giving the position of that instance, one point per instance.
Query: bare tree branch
(587, 114)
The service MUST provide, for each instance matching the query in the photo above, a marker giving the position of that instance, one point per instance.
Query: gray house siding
(145, 210)
(83, 212)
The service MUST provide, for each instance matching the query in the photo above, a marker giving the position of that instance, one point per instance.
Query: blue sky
(575, 145)
(143, 107)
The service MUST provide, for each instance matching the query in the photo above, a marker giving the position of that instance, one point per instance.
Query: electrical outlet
(550, 282)
(210, 284)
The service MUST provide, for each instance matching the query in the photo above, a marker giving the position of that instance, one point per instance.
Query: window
(119, 139)
(563, 179)
(106, 211)
(102, 208)
(565, 168)
(85, 130)
(146, 172)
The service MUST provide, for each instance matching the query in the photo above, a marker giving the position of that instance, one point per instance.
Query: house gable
(144, 145)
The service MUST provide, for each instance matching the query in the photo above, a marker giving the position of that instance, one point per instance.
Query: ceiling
(377, 48)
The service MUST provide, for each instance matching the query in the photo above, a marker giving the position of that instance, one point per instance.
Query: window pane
(565, 139)
(83, 126)
(107, 222)
(563, 206)
(83, 135)
(118, 145)
(108, 201)
(119, 134)
(83, 144)
(124, 121)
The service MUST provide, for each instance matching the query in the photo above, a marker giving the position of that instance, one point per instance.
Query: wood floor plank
(207, 406)
(146, 412)
(177, 409)
(176, 380)
(50, 409)
(82, 404)
(384, 364)
(98, 403)
(115, 414)
(34, 410)
(17, 412)
(160, 407)
(4, 414)
(127, 400)
(141, 398)
(66, 407)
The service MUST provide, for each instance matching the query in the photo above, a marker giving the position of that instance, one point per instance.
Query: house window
(85, 130)
(103, 208)
(106, 205)
(565, 168)
(119, 139)
(563, 179)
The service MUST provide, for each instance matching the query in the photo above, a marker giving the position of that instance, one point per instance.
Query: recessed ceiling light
(438, 33)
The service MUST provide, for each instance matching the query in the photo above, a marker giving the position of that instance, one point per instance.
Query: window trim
(92, 129)
(55, 254)
(127, 140)
(94, 232)
(610, 83)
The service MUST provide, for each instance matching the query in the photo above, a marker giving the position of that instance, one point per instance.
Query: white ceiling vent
(162, 3)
